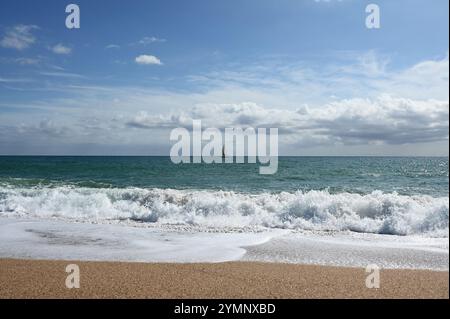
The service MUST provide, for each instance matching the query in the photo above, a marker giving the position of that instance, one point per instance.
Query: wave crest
(377, 212)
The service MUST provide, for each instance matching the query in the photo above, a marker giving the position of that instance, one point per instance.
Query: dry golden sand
(46, 279)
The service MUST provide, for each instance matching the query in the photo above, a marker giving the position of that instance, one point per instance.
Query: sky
(135, 70)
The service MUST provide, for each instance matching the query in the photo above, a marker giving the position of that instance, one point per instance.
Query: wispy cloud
(62, 74)
(14, 80)
(142, 42)
(19, 37)
(149, 40)
(21, 61)
(27, 61)
(112, 46)
(46, 128)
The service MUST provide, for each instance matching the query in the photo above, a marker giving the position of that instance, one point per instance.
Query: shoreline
(61, 240)
(25, 278)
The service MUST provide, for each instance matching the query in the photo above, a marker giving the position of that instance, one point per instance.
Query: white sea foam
(351, 249)
(56, 239)
(377, 212)
(44, 239)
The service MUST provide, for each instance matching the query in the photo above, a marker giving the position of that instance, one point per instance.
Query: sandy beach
(46, 279)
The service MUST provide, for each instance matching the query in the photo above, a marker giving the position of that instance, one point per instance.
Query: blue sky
(309, 67)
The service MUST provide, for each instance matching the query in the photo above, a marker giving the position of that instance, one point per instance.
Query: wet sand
(46, 279)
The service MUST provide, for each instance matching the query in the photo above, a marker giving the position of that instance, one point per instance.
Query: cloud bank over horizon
(65, 96)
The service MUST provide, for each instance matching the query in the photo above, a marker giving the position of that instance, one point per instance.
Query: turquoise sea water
(362, 175)
(383, 195)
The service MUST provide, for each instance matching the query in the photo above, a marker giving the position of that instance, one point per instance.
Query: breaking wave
(377, 212)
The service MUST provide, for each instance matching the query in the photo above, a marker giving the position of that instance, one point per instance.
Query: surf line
(233, 146)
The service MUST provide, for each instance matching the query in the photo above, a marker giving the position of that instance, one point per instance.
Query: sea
(342, 211)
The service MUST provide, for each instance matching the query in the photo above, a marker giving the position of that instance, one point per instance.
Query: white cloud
(384, 120)
(429, 78)
(148, 60)
(19, 37)
(61, 49)
(375, 110)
